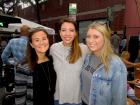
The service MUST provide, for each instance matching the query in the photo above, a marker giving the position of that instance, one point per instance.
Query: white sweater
(68, 75)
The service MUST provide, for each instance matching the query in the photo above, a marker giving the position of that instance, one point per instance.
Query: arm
(21, 80)
(128, 63)
(119, 85)
(6, 53)
(135, 82)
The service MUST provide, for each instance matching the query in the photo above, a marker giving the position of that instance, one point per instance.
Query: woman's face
(40, 42)
(67, 33)
(95, 40)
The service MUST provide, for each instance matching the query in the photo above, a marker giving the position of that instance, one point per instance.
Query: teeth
(67, 38)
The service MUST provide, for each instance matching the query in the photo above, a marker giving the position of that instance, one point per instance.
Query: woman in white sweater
(68, 57)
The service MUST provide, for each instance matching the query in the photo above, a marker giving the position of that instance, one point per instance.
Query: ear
(31, 45)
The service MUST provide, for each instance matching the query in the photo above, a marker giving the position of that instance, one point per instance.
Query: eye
(88, 36)
(72, 30)
(95, 36)
(63, 30)
(36, 40)
(44, 38)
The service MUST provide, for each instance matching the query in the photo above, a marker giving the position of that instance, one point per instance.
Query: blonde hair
(107, 50)
(125, 55)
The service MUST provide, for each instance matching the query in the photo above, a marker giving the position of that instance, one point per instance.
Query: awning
(5, 20)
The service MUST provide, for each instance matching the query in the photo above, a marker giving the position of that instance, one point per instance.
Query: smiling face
(40, 42)
(67, 33)
(95, 40)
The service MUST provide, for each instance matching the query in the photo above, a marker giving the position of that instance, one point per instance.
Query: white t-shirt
(68, 75)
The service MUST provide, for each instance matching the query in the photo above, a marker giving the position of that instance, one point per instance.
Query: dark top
(44, 79)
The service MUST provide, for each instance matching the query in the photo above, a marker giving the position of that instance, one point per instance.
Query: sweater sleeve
(23, 90)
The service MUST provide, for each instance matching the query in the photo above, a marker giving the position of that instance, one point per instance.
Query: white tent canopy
(16, 26)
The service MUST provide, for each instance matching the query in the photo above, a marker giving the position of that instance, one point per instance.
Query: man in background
(16, 47)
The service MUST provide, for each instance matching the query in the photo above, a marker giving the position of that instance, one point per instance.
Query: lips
(67, 39)
(91, 45)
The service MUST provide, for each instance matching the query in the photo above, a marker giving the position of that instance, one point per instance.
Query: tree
(7, 6)
(36, 5)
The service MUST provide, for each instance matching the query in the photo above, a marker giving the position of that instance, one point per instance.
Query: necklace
(47, 77)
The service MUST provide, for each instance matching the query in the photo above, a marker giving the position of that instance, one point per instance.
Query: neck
(97, 54)
(67, 44)
(42, 58)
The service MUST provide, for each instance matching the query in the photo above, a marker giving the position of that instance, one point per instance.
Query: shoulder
(55, 48)
(14, 40)
(82, 45)
(115, 59)
(117, 63)
(84, 48)
(55, 45)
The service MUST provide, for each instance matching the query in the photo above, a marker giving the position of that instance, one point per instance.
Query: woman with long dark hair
(35, 78)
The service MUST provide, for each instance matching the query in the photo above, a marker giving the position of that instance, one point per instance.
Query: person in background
(16, 47)
(125, 55)
(35, 77)
(68, 56)
(3, 43)
(104, 75)
(115, 40)
(123, 44)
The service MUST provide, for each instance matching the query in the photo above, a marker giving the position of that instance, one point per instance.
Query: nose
(41, 41)
(90, 40)
(67, 33)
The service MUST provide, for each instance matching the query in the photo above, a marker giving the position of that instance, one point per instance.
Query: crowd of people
(68, 72)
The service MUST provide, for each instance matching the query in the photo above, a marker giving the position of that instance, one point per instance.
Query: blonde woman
(125, 55)
(68, 57)
(104, 75)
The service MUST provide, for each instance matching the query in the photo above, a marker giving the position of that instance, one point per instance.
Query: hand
(136, 82)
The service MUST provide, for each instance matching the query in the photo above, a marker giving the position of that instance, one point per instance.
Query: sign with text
(72, 8)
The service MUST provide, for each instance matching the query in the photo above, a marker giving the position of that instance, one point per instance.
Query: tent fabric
(16, 26)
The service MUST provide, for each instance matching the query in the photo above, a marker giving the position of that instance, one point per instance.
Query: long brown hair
(32, 57)
(75, 53)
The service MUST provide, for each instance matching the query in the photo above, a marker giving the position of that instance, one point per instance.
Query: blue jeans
(57, 103)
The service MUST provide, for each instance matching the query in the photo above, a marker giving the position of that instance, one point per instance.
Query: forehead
(67, 24)
(93, 31)
(39, 34)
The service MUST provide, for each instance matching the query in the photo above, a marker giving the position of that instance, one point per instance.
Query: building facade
(87, 11)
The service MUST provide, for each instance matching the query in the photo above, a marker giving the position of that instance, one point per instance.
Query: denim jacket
(108, 88)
